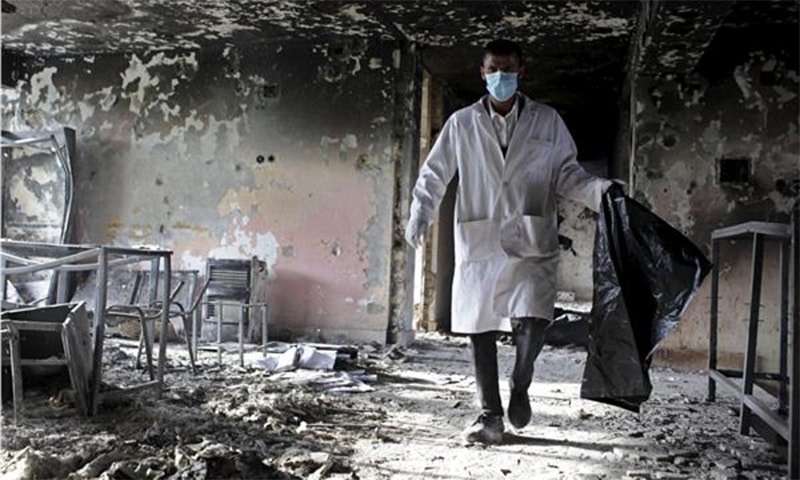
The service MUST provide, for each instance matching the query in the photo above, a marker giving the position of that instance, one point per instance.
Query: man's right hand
(415, 232)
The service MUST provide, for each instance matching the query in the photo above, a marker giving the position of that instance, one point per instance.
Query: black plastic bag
(645, 275)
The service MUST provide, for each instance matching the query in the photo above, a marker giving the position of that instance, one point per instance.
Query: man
(513, 156)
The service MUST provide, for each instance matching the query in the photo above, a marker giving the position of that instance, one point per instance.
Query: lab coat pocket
(540, 154)
(529, 164)
(535, 236)
(475, 240)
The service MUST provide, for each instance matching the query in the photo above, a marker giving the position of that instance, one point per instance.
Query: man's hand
(618, 187)
(415, 232)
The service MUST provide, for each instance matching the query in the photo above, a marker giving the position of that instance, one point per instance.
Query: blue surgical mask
(501, 85)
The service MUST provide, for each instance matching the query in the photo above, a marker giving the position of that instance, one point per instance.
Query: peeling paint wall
(283, 151)
(740, 104)
(34, 195)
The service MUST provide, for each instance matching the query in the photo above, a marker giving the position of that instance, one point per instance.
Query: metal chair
(149, 309)
(229, 284)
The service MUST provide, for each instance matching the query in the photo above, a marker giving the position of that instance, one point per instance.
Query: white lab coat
(506, 240)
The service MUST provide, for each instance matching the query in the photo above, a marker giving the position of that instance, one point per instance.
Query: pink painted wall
(168, 155)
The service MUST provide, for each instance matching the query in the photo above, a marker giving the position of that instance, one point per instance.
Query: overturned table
(20, 258)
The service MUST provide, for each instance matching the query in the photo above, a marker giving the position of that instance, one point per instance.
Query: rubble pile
(678, 445)
(381, 412)
(224, 422)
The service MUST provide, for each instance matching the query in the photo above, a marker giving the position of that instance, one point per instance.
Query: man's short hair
(502, 47)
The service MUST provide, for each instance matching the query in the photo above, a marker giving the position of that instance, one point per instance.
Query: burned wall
(576, 229)
(715, 148)
(283, 151)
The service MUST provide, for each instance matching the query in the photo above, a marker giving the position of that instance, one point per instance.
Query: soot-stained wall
(692, 135)
(285, 152)
(578, 225)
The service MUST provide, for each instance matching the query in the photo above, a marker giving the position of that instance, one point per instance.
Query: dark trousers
(528, 335)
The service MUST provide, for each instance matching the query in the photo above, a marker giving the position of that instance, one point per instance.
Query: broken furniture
(186, 308)
(229, 285)
(10, 336)
(21, 258)
(183, 304)
(787, 426)
(51, 336)
(190, 317)
(37, 198)
(144, 314)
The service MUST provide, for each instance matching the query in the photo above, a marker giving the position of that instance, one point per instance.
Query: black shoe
(486, 429)
(519, 408)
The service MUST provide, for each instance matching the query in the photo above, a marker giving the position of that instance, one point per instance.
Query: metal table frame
(63, 258)
(787, 237)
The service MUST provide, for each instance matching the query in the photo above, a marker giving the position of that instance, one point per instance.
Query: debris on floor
(381, 412)
(285, 357)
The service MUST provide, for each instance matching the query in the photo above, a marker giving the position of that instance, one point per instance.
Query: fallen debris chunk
(341, 382)
(99, 465)
(671, 476)
(724, 474)
(304, 463)
(31, 464)
(638, 475)
(727, 463)
(322, 471)
(122, 469)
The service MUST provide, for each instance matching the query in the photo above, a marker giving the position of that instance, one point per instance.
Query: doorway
(435, 261)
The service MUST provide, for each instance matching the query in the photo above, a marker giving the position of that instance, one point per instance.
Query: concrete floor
(405, 423)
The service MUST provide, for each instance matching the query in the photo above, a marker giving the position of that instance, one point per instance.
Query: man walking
(513, 157)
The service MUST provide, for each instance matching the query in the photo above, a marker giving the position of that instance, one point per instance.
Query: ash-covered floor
(393, 413)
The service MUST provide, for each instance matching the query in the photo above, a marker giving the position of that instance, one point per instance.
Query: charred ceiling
(48, 27)
(754, 27)
(577, 52)
(677, 33)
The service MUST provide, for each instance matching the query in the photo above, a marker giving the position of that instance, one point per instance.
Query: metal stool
(785, 426)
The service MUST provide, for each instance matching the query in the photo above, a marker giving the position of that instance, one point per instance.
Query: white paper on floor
(298, 356)
(305, 364)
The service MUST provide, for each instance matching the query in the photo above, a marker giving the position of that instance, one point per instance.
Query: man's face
(501, 63)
